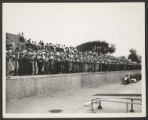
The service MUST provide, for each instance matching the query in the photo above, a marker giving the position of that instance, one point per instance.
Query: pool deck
(73, 101)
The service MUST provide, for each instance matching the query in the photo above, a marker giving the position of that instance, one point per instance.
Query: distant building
(15, 41)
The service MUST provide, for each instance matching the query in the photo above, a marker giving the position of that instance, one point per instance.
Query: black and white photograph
(76, 60)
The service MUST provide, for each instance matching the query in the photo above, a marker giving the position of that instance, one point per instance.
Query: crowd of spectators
(40, 58)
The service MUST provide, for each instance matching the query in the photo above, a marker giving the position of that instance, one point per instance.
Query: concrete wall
(18, 87)
(100, 78)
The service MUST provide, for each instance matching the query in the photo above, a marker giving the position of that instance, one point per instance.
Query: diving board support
(127, 107)
(99, 106)
(92, 109)
(132, 109)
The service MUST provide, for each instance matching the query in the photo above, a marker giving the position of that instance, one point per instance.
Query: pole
(132, 110)
(100, 106)
(127, 107)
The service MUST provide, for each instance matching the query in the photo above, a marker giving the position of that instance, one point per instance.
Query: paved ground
(73, 101)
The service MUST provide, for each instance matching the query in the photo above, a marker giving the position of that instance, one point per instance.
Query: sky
(72, 24)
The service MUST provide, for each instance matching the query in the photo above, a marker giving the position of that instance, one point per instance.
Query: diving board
(121, 95)
(117, 98)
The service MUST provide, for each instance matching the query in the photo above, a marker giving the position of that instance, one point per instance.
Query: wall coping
(56, 75)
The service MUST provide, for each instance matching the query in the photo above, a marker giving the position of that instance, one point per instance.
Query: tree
(97, 46)
(133, 56)
(112, 48)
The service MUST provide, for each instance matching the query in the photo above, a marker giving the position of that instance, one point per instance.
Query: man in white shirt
(126, 79)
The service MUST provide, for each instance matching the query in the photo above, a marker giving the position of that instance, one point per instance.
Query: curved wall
(19, 87)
